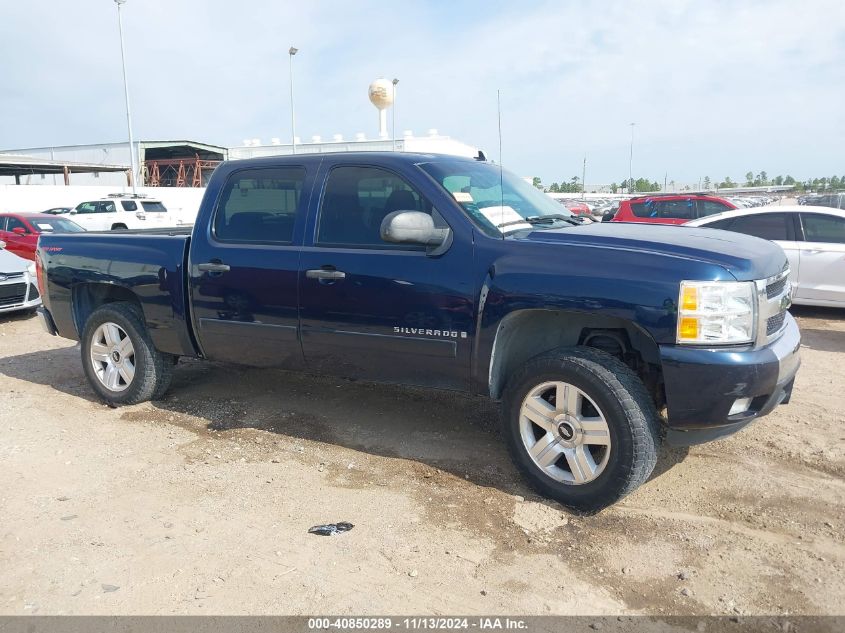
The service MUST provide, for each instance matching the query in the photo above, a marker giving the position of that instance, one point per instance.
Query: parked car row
(832, 200)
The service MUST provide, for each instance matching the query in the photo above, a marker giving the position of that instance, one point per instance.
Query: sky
(715, 88)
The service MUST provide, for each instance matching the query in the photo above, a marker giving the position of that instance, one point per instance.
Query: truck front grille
(775, 323)
(775, 288)
(11, 294)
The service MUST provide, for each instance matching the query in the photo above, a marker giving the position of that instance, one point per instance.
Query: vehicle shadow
(453, 432)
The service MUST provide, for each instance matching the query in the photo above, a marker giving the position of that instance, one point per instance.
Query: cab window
(259, 205)
(356, 201)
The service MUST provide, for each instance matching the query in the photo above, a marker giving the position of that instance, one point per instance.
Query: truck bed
(147, 267)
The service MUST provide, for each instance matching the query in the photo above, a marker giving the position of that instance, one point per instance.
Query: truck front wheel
(119, 358)
(581, 427)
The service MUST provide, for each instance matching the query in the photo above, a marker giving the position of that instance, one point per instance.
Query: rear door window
(259, 205)
(107, 207)
(769, 226)
(822, 228)
(153, 207)
(129, 205)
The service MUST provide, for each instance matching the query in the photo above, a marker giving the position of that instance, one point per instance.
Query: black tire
(630, 414)
(153, 370)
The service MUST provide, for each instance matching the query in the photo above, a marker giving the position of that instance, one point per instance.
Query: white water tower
(381, 96)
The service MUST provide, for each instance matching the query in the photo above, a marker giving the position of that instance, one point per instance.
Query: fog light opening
(740, 405)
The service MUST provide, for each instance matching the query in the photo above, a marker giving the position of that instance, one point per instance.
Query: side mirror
(412, 227)
(72, 211)
(607, 217)
(18, 230)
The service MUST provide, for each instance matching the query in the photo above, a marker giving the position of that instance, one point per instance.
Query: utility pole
(132, 156)
(291, 52)
(393, 113)
(665, 179)
(584, 178)
(631, 162)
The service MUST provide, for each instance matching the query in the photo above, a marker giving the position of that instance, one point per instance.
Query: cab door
(87, 215)
(244, 266)
(822, 258)
(374, 310)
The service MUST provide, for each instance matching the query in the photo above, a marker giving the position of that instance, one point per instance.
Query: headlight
(31, 270)
(716, 312)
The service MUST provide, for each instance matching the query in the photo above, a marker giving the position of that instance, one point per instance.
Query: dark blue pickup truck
(600, 340)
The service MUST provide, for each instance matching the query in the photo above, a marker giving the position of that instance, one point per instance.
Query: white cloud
(716, 88)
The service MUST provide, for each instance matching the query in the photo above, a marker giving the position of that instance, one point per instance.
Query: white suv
(121, 212)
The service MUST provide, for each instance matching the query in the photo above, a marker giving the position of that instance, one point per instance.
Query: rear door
(382, 311)
(822, 258)
(244, 265)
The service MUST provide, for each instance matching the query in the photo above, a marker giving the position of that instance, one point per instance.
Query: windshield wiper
(540, 219)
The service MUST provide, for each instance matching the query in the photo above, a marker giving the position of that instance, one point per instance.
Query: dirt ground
(201, 503)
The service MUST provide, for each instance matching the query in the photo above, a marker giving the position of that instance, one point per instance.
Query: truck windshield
(497, 201)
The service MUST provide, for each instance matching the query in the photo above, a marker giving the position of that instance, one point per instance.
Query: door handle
(214, 267)
(325, 273)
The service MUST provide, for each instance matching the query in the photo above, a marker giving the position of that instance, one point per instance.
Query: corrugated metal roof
(16, 165)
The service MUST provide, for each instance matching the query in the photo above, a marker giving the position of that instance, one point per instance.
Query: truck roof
(383, 158)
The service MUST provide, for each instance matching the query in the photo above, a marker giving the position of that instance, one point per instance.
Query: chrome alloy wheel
(565, 433)
(113, 357)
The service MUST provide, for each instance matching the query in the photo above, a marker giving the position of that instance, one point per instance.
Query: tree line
(760, 179)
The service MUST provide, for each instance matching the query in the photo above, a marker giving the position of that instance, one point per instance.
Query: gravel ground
(200, 503)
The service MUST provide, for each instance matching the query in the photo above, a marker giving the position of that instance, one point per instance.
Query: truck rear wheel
(119, 358)
(581, 427)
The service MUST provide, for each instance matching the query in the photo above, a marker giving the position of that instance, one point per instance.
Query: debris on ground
(330, 529)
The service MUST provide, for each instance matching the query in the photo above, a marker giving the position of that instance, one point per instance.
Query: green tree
(727, 183)
(778, 181)
(555, 188)
(789, 180)
(537, 182)
(707, 183)
(749, 179)
(614, 187)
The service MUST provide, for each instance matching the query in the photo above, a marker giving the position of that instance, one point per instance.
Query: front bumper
(18, 292)
(703, 384)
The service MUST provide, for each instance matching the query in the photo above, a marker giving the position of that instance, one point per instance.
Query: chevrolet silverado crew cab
(600, 341)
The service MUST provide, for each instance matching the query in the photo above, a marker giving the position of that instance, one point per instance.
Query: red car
(575, 207)
(670, 208)
(20, 231)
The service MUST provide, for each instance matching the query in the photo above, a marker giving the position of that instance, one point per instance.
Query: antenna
(501, 175)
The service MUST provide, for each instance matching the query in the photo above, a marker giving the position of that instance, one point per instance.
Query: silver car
(18, 285)
(813, 239)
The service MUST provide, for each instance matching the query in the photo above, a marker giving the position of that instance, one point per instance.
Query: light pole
(393, 113)
(132, 156)
(291, 52)
(631, 162)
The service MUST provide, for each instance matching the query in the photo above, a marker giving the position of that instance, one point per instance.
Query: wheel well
(89, 297)
(119, 225)
(526, 333)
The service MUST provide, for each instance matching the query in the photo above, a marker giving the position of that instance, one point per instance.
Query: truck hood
(745, 257)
